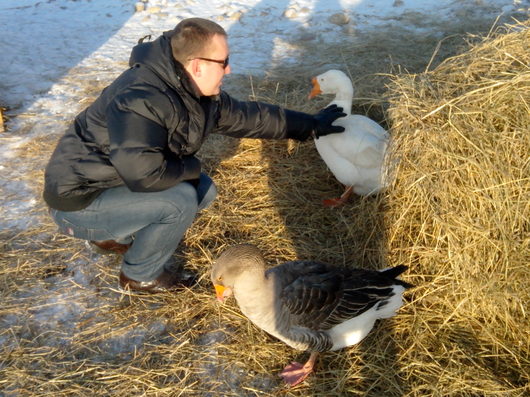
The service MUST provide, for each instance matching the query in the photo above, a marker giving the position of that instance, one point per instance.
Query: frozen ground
(53, 52)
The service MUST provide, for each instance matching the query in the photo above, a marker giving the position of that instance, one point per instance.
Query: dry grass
(2, 110)
(456, 214)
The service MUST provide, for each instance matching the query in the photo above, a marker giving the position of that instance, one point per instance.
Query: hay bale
(459, 215)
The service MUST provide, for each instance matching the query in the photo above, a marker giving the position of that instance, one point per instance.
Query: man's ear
(195, 68)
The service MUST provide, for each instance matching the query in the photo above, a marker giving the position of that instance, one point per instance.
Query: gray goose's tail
(394, 273)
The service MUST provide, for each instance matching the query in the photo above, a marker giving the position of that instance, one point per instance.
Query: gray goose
(308, 305)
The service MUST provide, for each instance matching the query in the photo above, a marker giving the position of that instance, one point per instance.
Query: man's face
(208, 73)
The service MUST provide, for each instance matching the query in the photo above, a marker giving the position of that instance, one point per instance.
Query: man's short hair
(191, 37)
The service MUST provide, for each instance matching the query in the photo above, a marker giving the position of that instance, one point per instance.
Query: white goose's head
(331, 82)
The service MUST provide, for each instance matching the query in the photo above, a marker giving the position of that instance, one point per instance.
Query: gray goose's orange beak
(222, 292)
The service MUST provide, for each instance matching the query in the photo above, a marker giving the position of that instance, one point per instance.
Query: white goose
(355, 156)
(308, 305)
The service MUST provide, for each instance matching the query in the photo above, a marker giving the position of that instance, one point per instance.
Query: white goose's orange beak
(222, 292)
(316, 88)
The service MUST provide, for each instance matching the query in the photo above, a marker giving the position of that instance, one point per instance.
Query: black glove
(191, 167)
(323, 120)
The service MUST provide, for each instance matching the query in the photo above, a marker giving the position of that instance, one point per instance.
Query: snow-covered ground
(42, 41)
(52, 50)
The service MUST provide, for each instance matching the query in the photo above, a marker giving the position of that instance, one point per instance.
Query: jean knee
(180, 202)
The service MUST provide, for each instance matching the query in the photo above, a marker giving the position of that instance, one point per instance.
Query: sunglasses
(224, 62)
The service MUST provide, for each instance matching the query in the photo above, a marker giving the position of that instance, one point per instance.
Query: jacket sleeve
(138, 142)
(261, 120)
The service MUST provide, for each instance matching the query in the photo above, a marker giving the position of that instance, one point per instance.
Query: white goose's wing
(363, 142)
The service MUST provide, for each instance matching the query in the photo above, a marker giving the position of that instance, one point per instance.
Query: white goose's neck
(344, 99)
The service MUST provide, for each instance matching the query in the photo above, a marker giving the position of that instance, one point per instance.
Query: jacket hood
(156, 55)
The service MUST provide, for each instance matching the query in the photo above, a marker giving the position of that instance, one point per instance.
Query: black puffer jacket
(146, 127)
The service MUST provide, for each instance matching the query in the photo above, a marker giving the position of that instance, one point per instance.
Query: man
(125, 176)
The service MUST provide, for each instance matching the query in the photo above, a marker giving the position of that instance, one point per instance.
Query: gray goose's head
(232, 264)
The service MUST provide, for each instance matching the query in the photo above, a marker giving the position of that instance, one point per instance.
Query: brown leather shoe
(108, 247)
(165, 282)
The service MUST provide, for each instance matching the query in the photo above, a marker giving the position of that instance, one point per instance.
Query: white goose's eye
(220, 278)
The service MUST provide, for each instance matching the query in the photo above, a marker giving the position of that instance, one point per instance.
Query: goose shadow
(352, 235)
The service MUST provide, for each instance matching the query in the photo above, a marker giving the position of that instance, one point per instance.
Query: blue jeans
(154, 222)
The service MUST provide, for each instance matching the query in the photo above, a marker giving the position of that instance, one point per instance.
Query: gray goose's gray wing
(319, 295)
